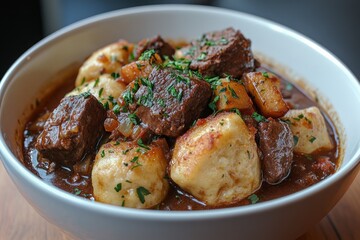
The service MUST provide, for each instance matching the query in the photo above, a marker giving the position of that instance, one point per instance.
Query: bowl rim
(79, 202)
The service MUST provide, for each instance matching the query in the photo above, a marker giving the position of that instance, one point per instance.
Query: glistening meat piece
(221, 53)
(157, 43)
(72, 129)
(277, 144)
(170, 101)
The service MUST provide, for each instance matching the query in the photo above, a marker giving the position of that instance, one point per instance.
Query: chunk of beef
(221, 53)
(171, 100)
(276, 143)
(72, 129)
(157, 43)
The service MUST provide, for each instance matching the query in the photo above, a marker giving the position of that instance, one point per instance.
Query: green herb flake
(83, 81)
(222, 90)
(299, 117)
(312, 139)
(102, 154)
(161, 102)
(142, 192)
(134, 119)
(202, 56)
(116, 143)
(258, 117)
(296, 140)
(265, 74)
(115, 75)
(118, 187)
(116, 109)
(106, 105)
(141, 144)
(233, 93)
(96, 82)
(101, 91)
(77, 191)
(253, 198)
(146, 55)
(126, 151)
(135, 160)
(85, 94)
(212, 105)
(237, 111)
(223, 41)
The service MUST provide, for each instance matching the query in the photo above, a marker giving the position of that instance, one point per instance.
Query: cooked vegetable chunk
(108, 59)
(233, 95)
(104, 88)
(72, 129)
(309, 130)
(130, 174)
(138, 69)
(217, 161)
(276, 144)
(265, 91)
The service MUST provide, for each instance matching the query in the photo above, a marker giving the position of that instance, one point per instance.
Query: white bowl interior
(306, 59)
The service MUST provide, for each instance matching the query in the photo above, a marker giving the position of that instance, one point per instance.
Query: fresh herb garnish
(77, 191)
(312, 139)
(258, 117)
(142, 192)
(141, 144)
(134, 119)
(115, 75)
(118, 187)
(146, 55)
(253, 198)
(296, 140)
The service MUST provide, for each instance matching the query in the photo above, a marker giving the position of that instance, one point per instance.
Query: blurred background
(334, 24)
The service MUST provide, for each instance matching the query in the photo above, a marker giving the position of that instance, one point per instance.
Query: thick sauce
(302, 175)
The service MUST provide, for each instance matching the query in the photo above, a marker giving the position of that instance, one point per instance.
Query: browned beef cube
(277, 144)
(221, 53)
(157, 43)
(72, 129)
(170, 101)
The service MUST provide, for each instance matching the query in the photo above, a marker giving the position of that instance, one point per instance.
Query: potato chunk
(129, 175)
(309, 130)
(108, 59)
(233, 95)
(217, 160)
(265, 91)
(104, 88)
(140, 68)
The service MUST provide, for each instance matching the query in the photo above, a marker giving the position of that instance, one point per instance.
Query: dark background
(334, 24)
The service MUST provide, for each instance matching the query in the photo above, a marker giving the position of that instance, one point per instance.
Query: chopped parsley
(312, 139)
(101, 91)
(135, 160)
(134, 119)
(212, 104)
(253, 198)
(102, 154)
(146, 55)
(77, 191)
(265, 74)
(141, 144)
(299, 117)
(142, 192)
(85, 94)
(233, 93)
(296, 140)
(258, 117)
(116, 109)
(126, 151)
(202, 56)
(118, 187)
(96, 82)
(115, 75)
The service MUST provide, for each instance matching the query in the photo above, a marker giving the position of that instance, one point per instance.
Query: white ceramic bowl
(283, 218)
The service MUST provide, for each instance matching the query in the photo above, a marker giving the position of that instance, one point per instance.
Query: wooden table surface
(18, 220)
